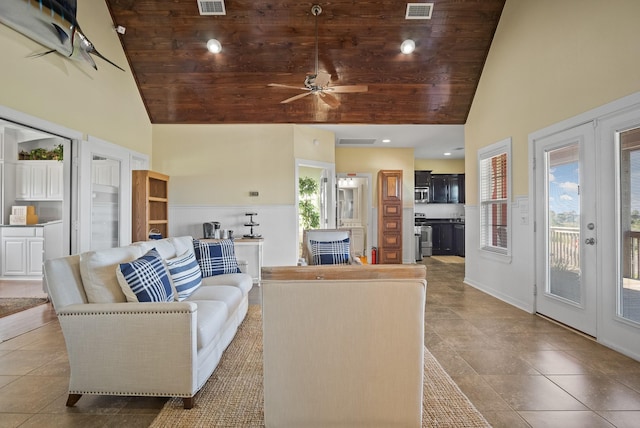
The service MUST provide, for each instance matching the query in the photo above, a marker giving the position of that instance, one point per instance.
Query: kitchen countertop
(444, 220)
(32, 225)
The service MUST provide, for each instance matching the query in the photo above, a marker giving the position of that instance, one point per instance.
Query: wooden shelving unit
(150, 204)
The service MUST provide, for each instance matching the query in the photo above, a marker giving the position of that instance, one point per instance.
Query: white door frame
(330, 169)
(370, 218)
(81, 236)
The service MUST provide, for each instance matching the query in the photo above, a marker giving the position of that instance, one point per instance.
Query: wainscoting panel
(511, 280)
(278, 226)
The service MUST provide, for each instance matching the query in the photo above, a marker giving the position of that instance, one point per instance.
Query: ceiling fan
(319, 83)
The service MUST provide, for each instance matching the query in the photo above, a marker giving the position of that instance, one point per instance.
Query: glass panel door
(105, 206)
(629, 284)
(566, 273)
(563, 212)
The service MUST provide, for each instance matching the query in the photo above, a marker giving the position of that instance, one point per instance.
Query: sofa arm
(131, 348)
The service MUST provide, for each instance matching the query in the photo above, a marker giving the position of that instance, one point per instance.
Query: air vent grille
(358, 141)
(211, 7)
(419, 10)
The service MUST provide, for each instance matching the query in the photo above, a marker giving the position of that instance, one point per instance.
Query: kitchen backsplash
(440, 210)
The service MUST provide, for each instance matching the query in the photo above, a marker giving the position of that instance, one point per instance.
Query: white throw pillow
(98, 272)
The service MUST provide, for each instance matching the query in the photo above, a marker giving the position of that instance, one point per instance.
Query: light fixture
(407, 46)
(447, 154)
(214, 46)
(386, 140)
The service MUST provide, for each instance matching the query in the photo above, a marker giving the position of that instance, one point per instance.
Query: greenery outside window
(495, 200)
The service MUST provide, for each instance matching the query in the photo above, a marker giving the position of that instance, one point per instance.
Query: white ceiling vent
(211, 7)
(359, 141)
(419, 10)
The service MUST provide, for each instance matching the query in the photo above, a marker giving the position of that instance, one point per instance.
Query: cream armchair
(343, 346)
(325, 235)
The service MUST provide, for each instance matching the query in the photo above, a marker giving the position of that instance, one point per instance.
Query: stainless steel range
(420, 220)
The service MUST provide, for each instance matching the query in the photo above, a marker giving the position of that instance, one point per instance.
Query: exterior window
(495, 204)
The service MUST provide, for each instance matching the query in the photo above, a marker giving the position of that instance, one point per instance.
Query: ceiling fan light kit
(408, 46)
(319, 83)
(214, 46)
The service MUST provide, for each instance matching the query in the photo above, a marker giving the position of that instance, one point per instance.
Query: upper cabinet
(447, 188)
(422, 179)
(39, 180)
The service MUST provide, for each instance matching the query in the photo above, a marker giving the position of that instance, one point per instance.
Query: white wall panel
(278, 224)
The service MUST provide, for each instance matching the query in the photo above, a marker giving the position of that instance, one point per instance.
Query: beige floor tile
(565, 419)
(622, 419)
(532, 393)
(599, 392)
(30, 394)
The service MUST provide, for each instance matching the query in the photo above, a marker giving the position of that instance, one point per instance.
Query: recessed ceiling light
(386, 140)
(447, 154)
(214, 46)
(407, 46)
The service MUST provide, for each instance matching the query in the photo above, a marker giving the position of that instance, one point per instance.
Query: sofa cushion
(98, 272)
(164, 247)
(330, 252)
(216, 258)
(182, 244)
(228, 294)
(185, 274)
(241, 280)
(145, 279)
(210, 320)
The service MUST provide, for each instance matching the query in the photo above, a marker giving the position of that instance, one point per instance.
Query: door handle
(590, 241)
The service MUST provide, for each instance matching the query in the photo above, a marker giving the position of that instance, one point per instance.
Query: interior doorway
(315, 197)
(353, 209)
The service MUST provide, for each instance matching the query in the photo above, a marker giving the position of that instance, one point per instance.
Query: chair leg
(73, 399)
(188, 402)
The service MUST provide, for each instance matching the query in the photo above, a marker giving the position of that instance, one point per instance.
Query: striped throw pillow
(145, 279)
(185, 274)
(216, 258)
(330, 252)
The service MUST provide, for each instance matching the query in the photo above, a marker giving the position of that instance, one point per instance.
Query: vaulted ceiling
(266, 42)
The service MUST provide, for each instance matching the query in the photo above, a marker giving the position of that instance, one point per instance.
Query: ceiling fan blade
(345, 89)
(297, 97)
(329, 99)
(278, 85)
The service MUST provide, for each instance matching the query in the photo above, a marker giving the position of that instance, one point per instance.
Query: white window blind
(495, 181)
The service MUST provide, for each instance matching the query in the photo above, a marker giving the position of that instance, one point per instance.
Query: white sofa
(117, 347)
(343, 345)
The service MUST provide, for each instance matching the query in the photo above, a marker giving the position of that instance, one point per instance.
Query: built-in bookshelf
(150, 204)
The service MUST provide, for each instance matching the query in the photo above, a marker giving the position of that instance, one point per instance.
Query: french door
(566, 223)
(587, 194)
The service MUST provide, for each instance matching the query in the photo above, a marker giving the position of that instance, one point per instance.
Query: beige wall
(220, 164)
(103, 103)
(440, 166)
(550, 60)
(372, 160)
(314, 144)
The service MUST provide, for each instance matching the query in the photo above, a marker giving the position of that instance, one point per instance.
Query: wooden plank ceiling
(274, 42)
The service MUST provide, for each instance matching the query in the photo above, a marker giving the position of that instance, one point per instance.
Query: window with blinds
(495, 180)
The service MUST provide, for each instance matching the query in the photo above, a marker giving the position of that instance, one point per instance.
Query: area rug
(233, 396)
(448, 259)
(11, 305)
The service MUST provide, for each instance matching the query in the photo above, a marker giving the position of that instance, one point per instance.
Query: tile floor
(518, 369)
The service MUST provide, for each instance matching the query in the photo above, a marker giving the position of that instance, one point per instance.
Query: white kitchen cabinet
(39, 180)
(22, 251)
